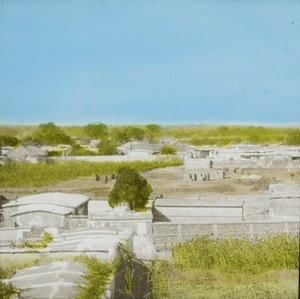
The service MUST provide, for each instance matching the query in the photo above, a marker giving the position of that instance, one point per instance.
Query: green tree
(119, 135)
(107, 147)
(153, 131)
(7, 140)
(50, 134)
(134, 133)
(168, 150)
(130, 188)
(96, 130)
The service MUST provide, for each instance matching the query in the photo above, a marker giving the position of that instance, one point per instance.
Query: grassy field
(229, 268)
(41, 174)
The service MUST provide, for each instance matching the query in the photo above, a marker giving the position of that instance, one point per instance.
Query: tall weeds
(231, 255)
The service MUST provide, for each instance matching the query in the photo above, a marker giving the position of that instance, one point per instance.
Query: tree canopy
(153, 131)
(131, 188)
(107, 147)
(7, 140)
(96, 130)
(50, 134)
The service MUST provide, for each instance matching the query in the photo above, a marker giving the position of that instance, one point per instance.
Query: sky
(141, 62)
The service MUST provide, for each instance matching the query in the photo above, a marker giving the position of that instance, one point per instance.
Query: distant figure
(106, 179)
(97, 178)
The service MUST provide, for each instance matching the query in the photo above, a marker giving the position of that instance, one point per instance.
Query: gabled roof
(23, 151)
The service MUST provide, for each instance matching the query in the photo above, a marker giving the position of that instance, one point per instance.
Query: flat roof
(53, 198)
(193, 202)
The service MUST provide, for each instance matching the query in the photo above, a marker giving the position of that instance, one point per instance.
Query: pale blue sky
(136, 62)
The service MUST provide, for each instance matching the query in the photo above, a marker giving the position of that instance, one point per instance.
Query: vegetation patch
(97, 278)
(40, 174)
(42, 243)
(229, 268)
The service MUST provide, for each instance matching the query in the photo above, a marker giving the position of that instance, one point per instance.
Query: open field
(169, 182)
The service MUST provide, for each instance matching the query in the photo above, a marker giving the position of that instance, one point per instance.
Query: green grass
(228, 268)
(40, 174)
(42, 243)
(198, 284)
(230, 255)
(97, 278)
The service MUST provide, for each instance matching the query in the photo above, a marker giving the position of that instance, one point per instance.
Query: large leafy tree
(96, 130)
(50, 134)
(134, 133)
(128, 133)
(130, 188)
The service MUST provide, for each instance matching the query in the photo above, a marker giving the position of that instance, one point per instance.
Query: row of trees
(50, 134)
(110, 138)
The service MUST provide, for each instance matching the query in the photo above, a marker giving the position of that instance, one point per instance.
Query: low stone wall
(8, 235)
(165, 234)
(256, 164)
(111, 158)
(72, 222)
(138, 225)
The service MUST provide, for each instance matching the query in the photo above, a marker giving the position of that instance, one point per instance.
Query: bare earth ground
(170, 182)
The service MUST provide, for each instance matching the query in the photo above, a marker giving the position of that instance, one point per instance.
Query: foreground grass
(40, 174)
(204, 268)
(273, 284)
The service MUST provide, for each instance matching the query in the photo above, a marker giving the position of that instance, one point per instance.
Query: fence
(166, 234)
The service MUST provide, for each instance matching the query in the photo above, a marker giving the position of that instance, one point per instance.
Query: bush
(98, 276)
(43, 243)
(168, 150)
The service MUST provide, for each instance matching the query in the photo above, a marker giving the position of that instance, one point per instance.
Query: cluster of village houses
(81, 224)
(240, 152)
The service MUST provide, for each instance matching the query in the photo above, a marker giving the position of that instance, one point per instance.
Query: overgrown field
(40, 174)
(204, 268)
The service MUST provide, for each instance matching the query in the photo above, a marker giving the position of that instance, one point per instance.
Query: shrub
(168, 150)
(98, 276)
